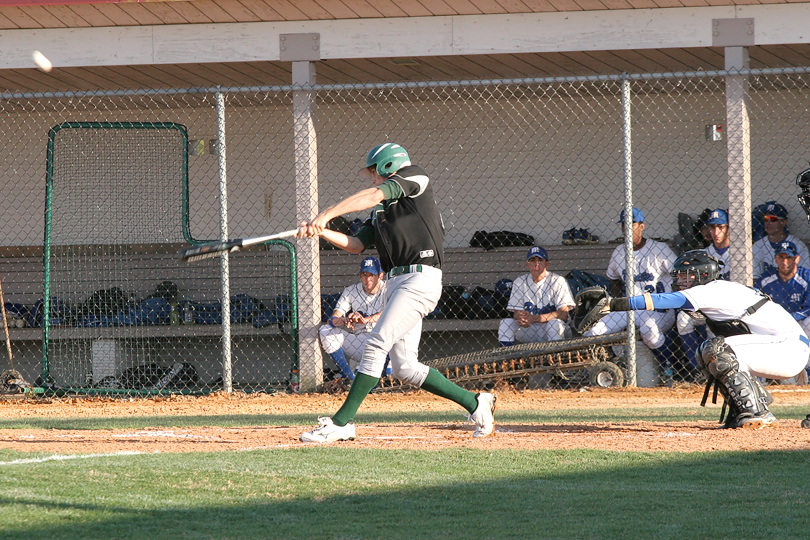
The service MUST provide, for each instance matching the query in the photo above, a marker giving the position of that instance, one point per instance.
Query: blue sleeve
(673, 300)
(803, 313)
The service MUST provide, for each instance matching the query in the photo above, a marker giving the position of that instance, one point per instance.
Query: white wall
(540, 164)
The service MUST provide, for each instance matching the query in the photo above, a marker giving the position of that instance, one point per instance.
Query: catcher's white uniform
(353, 298)
(550, 294)
(765, 252)
(653, 263)
(776, 348)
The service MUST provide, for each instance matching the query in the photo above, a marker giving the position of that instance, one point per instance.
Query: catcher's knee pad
(716, 357)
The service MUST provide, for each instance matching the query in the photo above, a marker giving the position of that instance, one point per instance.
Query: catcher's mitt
(592, 303)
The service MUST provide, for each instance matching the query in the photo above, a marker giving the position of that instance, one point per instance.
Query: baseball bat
(214, 249)
(5, 327)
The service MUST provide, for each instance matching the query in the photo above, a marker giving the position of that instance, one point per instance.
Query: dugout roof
(98, 44)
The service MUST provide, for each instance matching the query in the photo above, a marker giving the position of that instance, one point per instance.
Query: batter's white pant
(409, 298)
(554, 330)
(652, 325)
(336, 337)
(774, 357)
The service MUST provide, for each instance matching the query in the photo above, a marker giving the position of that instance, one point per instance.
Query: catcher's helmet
(387, 159)
(698, 264)
(803, 181)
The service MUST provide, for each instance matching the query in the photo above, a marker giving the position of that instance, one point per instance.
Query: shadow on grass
(342, 493)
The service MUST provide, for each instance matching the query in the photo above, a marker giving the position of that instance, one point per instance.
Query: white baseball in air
(42, 62)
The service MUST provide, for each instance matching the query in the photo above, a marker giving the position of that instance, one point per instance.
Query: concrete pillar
(738, 143)
(306, 206)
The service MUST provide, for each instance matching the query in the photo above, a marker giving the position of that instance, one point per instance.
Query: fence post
(738, 144)
(224, 261)
(306, 197)
(629, 260)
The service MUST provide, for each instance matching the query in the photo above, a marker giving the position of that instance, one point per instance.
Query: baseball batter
(406, 228)
(755, 337)
(775, 220)
(653, 262)
(357, 310)
(540, 302)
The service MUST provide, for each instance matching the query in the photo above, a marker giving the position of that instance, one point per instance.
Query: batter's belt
(400, 270)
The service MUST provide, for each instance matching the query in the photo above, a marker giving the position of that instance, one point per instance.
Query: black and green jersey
(406, 228)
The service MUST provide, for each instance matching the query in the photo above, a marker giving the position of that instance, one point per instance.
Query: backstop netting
(120, 311)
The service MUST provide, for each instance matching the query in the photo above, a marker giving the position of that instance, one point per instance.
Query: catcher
(755, 337)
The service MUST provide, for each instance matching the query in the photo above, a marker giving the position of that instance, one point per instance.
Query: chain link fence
(514, 163)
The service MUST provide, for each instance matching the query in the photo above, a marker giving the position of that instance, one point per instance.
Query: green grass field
(348, 493)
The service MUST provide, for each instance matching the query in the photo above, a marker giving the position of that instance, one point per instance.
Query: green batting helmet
(387, 159)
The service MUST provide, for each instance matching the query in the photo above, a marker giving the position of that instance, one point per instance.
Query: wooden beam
(399, 37)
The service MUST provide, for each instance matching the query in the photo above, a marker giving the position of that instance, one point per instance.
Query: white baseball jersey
(721, 255)
(550, 294)
(764, 254)
(355, 298)
(653, 264)
(776, 348)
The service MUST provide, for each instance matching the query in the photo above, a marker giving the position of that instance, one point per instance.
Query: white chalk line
(67, 457)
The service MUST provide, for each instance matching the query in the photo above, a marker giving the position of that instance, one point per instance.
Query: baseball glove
(592, 303)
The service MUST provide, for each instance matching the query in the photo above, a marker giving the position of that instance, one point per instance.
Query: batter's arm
(345, 242)
(362, 200)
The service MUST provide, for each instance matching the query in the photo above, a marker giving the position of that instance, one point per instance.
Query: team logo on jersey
(426, 253)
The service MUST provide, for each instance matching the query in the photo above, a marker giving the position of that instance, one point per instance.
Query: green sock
(361, 386)
(436, 383)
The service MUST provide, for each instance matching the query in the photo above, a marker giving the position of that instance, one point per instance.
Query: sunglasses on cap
(771, 219)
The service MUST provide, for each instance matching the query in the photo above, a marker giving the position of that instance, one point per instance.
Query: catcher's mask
(803, 181)
(695, 264)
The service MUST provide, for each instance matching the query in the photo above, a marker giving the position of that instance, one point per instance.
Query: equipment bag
(496, 239)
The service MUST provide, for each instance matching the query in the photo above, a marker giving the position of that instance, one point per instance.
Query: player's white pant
(336, 337)
(409, 298)
(510, 331)
(652, 325)
(774, 357)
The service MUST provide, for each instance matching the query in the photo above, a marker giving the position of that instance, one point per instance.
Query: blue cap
(371, 265)
(786, 247)
(718, 217)
(773, 208)
(537, 251)
(638, 216)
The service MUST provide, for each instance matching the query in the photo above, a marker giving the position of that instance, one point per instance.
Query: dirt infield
(699, 435)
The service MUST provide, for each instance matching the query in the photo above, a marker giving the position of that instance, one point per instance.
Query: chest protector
(735, 327)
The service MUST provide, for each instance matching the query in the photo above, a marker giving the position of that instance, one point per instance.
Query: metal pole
(224, 262)
(629, 260)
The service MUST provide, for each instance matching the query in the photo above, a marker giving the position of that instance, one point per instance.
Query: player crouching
(755, 337)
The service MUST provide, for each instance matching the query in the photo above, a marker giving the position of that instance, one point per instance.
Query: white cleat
(484, 415)
(757, 421)
(328, 432)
